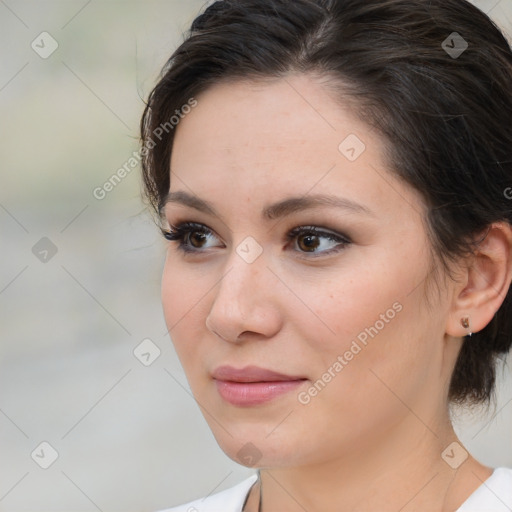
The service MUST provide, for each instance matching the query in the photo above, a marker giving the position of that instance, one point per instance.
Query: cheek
(373, 320)
(362, 378)
(351, 303)
(183, 301)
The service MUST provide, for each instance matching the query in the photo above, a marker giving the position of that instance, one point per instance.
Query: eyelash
(181, 231)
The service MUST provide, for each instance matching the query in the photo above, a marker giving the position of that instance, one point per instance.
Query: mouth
(252, 385)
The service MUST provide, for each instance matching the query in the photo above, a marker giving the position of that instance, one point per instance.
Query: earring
(465, 323)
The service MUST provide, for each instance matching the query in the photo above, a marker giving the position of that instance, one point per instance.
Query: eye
(191, 237)
(310, 238)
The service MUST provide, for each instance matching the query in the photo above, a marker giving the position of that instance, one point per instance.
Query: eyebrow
(280, 209)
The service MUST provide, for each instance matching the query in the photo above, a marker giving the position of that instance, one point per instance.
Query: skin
(372, 438)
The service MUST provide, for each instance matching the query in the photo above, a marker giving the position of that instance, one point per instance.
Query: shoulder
(494, 495)
(230, 500)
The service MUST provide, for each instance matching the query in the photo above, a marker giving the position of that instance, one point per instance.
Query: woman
(333, 177)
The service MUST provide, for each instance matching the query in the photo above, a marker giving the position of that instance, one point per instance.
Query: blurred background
(95, 411)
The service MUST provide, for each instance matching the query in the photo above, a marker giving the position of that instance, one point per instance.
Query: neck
(406, 473)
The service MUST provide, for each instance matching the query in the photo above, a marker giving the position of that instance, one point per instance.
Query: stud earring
(465, 323)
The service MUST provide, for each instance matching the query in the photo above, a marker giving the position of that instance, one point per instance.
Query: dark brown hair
(447, 114)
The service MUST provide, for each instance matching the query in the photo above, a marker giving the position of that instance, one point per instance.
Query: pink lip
(252, 385)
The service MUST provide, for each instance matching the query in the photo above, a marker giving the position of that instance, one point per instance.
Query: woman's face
(309, 260)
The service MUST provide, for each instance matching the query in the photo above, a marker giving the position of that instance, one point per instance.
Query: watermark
(100, 193)
(508, 193)
(454, 45)
(44, 250)
(357, 345)
(44, 45)
(249, 455)
(454, 455)
(44, 455)
(147, 352)
(352, 147)
(249, 250)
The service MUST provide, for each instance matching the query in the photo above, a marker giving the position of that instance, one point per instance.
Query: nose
(246, 303)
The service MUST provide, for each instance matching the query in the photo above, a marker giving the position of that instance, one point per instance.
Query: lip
(251, 374)
(253, 385)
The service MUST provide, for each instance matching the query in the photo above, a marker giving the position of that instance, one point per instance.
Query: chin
(250, 446)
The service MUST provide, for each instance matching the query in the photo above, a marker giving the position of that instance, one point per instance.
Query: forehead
(235, 118)
(251, 140)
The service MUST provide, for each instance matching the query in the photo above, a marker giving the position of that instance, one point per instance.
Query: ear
(484, 283)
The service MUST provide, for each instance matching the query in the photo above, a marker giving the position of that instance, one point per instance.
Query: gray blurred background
(80, 276)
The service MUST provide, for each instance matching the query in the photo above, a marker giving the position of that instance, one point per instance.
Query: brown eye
(316, 242)
(197, 239)
(308, 242)
(192, 237)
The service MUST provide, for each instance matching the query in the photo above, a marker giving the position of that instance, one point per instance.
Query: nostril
(237, 338)
(217, 334)
(214, 331)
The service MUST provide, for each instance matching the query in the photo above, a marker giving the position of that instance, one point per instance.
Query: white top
(494, 495)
